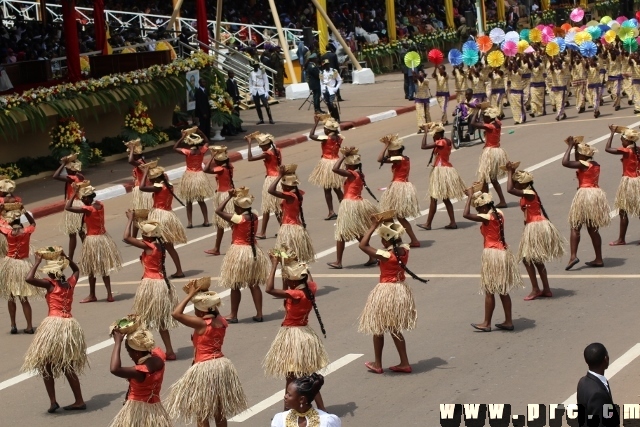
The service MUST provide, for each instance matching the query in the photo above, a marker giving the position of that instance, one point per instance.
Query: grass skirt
(270, 203)
(206, 389)
(220, 197)
(354, 219)
(402, 197)
(297, 239)
(490, 161)
(60, 342)
(154, 302)
(499, 273)
(172, 229)
(141, 199)
(445, 183)
(12, 280)
(541, 242)
(590, 208)
(195, 186)
(142, 414)
(628, 196)
(3, 245)
(240, 269)
(72, 222)
(100, 256)
(297, 351)
(390, 308)
(323, 175)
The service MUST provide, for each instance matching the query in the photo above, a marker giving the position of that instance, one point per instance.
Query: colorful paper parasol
(470, 45)
(435, 56)
(470, 57)
(566, 26)
(592, 23)
(595, 32)
(570, 37)
(524, 34)
(412, 59)
(509, 48)
(495, 59)
(634, 22)
(638, 15)
(609, 36)
(631, 23)
(630, 45)
(573, 46)
(605, 20)
(576, 14)
(547, 35)
(455, 57)
(614, 25)
(484, 44)
(535, 35)
(621, 19)
(512, 36)
(497, 35)
(560, 42)
(530, 49)
(588, 49)
(625, 33)
(522, 46)
(552, 49)
(582, 37)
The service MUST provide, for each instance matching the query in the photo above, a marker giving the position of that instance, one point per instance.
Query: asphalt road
(540, 362)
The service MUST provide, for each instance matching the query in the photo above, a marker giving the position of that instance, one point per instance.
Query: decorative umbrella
(614, 25)
(576, 14)
(552, 49)
(592, 23)
(621, 19)
(484, 44)
(412, 59)
(497, 35)
(509, 48)
(565, 26)
(582, 37)
(435, 56)
(522, 46)
(638, 40)
(524, 34)
(560, 42)
(540, 26)
(603, 28)
(588, 49)
(470, 45)
(634, 21)
(570, 37)
(630, 44)
(512, 36)
(625, 33)
(609, 36)
(470, 57)
(530, 49)
(605, 20)
(495, 59)
(631, 23)
(535, 35)
(595, 32)
(638, 15)
(573, 46)
(547, 35)
(455, 57)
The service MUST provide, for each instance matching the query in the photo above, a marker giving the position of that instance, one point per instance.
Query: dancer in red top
(401, 195)
(293, 231)
(139, 199)
(71, 222)
(16, 265)
(444, 182)
(100, 255)
(142, 405)
(628, 196)
(297, 350)
(211, 387)
(194, 185)
(390, 307)
(58, 347)
(245, 264)
(541, 241)
(155, 297)
(272, 158)
(493, 156)
(589, 206)
(173, 231)
(7, 187)
(322, 175)
(499, 272)
(355, 213)
(220, 166)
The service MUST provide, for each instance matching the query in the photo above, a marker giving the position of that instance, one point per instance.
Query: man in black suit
(595, 402)
(203, 110)
(234, 93)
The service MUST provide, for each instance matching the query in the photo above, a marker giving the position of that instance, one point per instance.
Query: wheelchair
(459, 127)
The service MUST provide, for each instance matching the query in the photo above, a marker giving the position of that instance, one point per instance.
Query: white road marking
(618, 365)
(279, 396)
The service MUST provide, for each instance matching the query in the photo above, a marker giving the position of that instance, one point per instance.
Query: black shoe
(629, 102)
(261, 122)
(14, 330)
(617, 107)
(341, 100)
(271, 122)
(411, 98)
(323, 112)
(581, 110)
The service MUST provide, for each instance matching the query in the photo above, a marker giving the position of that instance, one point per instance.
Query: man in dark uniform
(203, 110)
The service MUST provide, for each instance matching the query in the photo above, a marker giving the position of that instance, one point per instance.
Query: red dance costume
(442, 152)
(491, 232)
(94, 220)
(492, 134)
(209, 345)
(298, 306)
(291, 209)
(401, 170)
(152, 263)
(589, 177)
(271, 162)
(69, 190)
(194, 160)
(390, 269)
(629, 162)
(241, 232)
(331, 147)
(223, 178)
(59, 300)
(18, 246)
(353, 186)
(532, 209)
(163, 199)
(148, 391)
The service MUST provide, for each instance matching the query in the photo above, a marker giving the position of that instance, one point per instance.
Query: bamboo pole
(337, 35)
(283, 42)
(176, 11)
(218, 20)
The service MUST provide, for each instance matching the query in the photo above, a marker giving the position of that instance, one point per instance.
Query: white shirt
(258, 83)
(603, 379)
(326, 420)
(330, 80)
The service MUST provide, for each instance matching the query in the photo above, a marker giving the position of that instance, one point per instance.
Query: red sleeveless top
(271, 161)
(298, 307)
(353, 186)
(291, 210)
(390, 269)
(17, 199)
(148, 390)
(94, 219)
(532, 209)
(223, 178)
(152, 263)
(401, 170)
(194, 161)
(588, 178)
(443, 151)
(209, 345)
(163, 199)
(18, 246)
(331, 147)
(69, 188)
(138, 173)
(241, 232)
(629, 162)
(492, 134)
(59, 300)
(491, 233)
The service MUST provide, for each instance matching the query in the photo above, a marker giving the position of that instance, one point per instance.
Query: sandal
(177, 276)
(14, 330)
(206, 224)
(572, 264)
(75, 408)
(257, 319)
(424, 227)
(451, 227)
(334, 265)
(504, 328)
(330, 217)
(53, 408)
(592, 264)
(261, 237)
(29, 331)
(370, 263)
(190, 226)
(372, 368)
(480, 328)
(231, 319)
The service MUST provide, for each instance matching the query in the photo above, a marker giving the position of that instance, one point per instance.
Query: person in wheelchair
(465, 109)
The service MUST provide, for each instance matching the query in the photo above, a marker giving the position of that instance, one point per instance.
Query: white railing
(230, 31)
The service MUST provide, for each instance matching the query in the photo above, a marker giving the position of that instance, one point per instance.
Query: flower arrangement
(85, 68)
(138, 124)
(495, 24)
(12, 171)
(66, 137)
(549, 16)
(607, 5)
(221, 106)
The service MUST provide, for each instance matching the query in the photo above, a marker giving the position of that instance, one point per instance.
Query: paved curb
(122, 189)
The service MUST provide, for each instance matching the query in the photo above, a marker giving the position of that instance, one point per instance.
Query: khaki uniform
(423, 115)
(537, 90)
(442, 94)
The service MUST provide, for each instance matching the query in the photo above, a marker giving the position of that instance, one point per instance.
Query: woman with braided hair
(293, 230)
(155, 297)
(628, 196)
(390, 307)
(297, 350)
(299, 395)
(499, 272)
(354, 215)
(541, 241)
(220, 166)
(142, 407)
(71, 222)
(139, 199)
(272, 158)
(245, 264)
(173, 231)
(7, 187)
(444, 182)
(322, 175)
(211, 387)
